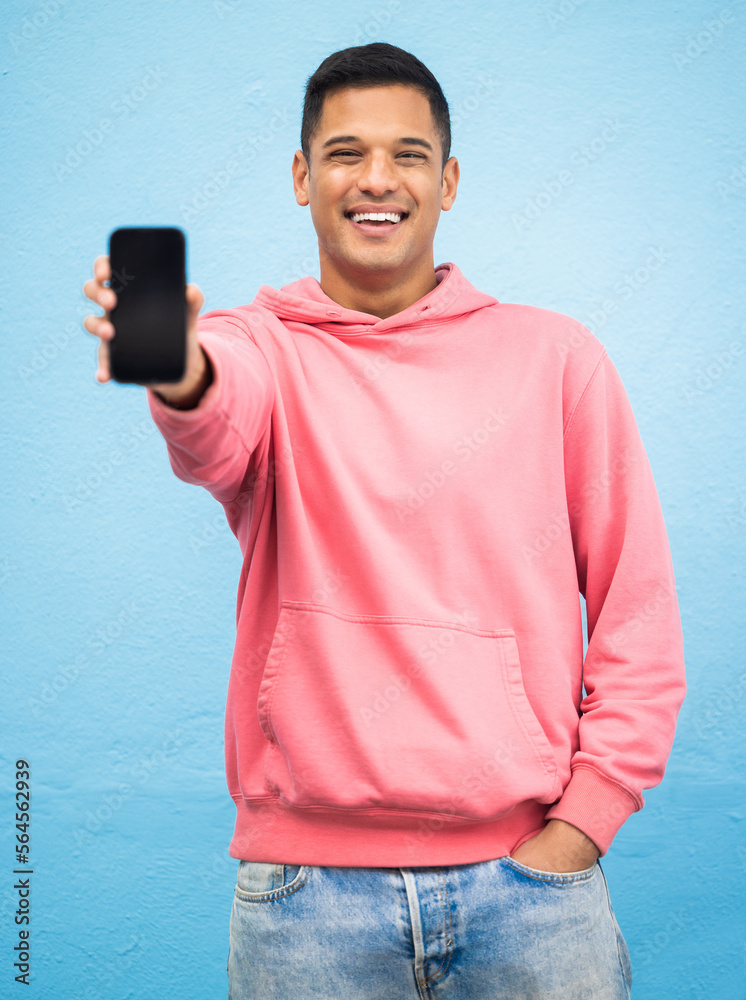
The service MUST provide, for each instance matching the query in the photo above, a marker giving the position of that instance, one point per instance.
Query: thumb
(195, 301)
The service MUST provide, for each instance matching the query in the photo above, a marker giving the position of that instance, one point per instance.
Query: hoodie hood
(305, 301)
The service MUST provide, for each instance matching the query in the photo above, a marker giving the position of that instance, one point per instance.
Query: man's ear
(451, 176)
(300, 177)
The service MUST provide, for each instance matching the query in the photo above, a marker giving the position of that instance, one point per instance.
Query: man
(422, 479)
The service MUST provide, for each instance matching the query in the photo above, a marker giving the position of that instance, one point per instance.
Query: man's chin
(375, 260)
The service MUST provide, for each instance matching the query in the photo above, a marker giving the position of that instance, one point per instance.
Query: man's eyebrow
(414, 141)
(406, 141)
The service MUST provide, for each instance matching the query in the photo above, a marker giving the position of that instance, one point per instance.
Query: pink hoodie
(419, 501)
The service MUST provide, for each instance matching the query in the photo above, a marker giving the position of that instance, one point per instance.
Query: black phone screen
(148, 276)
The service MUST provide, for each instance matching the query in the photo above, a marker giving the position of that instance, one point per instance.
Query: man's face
(364, 158)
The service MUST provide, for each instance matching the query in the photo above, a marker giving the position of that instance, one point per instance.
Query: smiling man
(378, 184)
(422, 480)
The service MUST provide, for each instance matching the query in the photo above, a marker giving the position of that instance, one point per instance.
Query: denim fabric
(494, 930)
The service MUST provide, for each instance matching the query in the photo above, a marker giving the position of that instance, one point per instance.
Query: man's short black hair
(376, 65)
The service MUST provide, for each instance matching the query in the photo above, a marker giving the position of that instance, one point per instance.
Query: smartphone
(148, 276)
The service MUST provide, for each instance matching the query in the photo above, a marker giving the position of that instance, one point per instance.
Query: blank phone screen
(148, 276)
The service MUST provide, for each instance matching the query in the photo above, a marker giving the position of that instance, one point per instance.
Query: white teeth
(376, 217)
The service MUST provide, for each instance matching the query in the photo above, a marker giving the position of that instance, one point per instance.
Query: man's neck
(377, 294)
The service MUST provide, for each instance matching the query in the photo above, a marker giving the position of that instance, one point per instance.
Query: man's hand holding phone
(185, 394)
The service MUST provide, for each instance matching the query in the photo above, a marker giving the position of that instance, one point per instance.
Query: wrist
(185, 395)
(570, 838)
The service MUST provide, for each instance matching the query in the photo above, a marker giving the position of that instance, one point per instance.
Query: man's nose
(378, 175)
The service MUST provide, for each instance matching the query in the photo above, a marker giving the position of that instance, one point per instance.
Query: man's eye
(349, 152)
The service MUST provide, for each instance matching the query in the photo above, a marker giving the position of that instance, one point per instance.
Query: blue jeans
(494, 930)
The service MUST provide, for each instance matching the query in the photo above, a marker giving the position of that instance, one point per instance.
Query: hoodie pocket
(378, 714)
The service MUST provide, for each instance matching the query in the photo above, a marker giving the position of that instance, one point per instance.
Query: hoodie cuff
(596, 805)
(165, 415)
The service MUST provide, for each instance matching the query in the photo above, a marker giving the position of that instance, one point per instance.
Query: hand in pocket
(560, 847)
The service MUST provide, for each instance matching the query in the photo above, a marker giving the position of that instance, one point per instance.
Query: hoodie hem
(275, 833)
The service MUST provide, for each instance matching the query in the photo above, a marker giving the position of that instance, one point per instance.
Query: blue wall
(603, 175)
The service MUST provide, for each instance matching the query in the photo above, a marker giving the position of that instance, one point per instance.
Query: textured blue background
(119, 581)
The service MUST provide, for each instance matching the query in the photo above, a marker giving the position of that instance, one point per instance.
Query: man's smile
(376, 221)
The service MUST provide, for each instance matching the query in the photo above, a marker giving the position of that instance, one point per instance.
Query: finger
(99, 326)
(102, 269)
(100, 294)
(96, 290)
(103, 374)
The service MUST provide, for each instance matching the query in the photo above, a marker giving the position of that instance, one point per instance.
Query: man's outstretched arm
(220, 411)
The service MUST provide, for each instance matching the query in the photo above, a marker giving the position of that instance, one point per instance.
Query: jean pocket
(380, 714)
(556, 878)
(260, 881)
